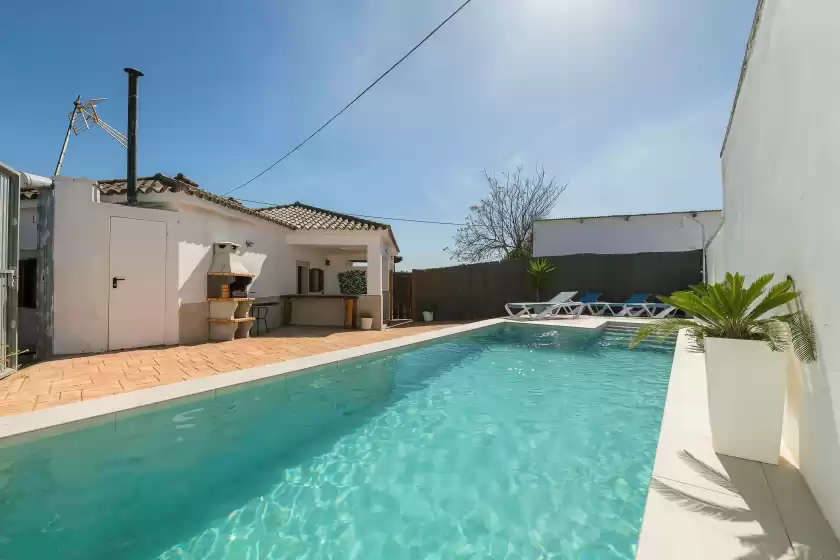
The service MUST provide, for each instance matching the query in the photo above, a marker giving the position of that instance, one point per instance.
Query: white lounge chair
(658, 310)
(630, 308)
(540, 309)
(582, 304)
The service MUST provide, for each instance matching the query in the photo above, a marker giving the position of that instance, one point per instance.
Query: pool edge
(703, 505)
(19, 428)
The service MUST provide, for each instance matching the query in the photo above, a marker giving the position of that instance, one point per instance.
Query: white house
(124, 276)
(781, 171)
(670, 232)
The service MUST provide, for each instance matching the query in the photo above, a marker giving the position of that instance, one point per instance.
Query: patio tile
(73, 395)
(33, 388)
(49, 397)
(101, 390)
(733, 526)
(133, 384)
(48, 375)
(88, 377)
(47, 404)
(200, 372)
(807, 528)
(14, 383)
(73, 383)
(16, 406)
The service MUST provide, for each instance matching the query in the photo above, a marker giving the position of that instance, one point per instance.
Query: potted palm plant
(746, 356)
(540, 270)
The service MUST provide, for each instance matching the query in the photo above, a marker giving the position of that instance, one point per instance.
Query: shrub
(352, 282)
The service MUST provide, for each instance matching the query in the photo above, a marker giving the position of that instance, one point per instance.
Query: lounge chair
(658, 310)
(633, 307)
(539, 309)
(582, 304)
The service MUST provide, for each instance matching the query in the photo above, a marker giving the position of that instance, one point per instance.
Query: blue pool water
(511, 442)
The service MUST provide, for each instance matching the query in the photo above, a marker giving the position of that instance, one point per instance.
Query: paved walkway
(68, 380)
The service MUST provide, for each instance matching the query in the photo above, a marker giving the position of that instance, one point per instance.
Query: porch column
(374, 269)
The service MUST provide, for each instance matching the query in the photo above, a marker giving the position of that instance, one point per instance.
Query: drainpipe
(131, 173)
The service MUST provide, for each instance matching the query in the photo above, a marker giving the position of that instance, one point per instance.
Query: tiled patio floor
(84, 378)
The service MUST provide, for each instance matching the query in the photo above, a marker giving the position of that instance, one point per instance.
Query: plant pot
(428, 316)
(746, 387)
(366, 323)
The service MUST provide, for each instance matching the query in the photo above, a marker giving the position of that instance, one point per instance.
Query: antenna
(82, 118)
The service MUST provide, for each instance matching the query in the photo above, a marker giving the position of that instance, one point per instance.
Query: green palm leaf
(804, 336)
(661, 330)
(728, 309)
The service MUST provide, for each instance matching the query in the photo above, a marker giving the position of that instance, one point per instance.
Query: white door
(137, 283)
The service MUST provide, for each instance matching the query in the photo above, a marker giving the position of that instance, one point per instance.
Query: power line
(323, 126)
(367, 215)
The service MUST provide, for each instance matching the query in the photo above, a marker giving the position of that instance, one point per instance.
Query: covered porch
(322, 258)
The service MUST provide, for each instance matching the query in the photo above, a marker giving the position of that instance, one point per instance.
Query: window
(301, 279)
(28, 283)
(316, 280)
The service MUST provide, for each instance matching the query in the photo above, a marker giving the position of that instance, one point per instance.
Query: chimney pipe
(131, 174)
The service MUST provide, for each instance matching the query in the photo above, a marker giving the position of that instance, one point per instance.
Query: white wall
(781, 171)
(616, 236)
(28, 225)
(81, 267)
(201, 223)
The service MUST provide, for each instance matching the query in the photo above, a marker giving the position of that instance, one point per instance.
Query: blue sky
(625, 100)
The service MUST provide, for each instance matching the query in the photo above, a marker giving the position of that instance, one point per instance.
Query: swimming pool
(515, 441)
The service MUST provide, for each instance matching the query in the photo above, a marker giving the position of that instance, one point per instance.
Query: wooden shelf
(234, 320)
(232, 274)
(231, 299)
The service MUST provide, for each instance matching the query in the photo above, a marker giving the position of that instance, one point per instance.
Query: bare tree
(501, 226)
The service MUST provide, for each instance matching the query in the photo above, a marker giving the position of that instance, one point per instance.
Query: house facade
(115, 276)
(781, 171)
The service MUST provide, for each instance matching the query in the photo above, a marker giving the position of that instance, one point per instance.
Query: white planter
(428, 316)
(746, 384)
(366, 323)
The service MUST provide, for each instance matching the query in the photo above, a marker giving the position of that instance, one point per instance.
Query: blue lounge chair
(582, 304)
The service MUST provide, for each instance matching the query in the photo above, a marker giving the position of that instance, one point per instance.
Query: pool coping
(703, 505)
(70, 417)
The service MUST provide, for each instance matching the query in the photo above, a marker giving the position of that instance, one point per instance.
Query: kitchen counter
(319, 296)
(322, 310)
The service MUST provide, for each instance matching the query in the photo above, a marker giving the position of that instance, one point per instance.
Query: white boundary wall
(781, 171)
(621, 235)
